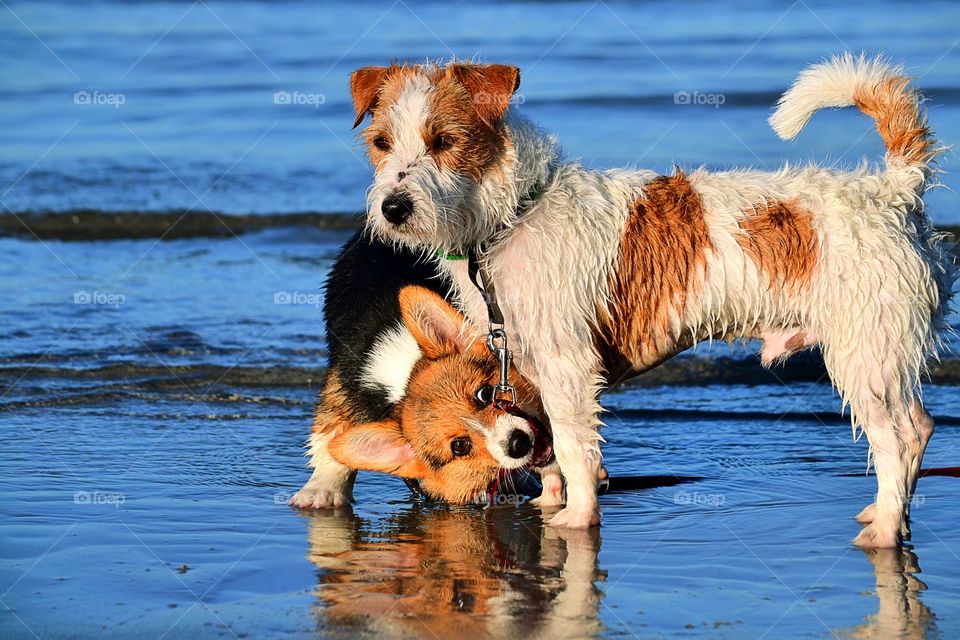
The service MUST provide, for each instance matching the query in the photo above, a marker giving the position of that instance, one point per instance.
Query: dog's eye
(460, 446)
(483, 398)
(442, 142)
(381, 142)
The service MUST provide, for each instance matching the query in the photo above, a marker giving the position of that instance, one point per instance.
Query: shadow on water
(436, 572)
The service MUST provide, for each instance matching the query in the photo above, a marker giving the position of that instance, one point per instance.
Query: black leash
(496, 335)
(484, 283)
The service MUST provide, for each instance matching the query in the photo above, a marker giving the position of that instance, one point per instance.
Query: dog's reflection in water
(439, 572)
(900, 614)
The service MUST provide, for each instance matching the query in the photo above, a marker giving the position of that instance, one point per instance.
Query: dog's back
(370, 351)
(370, 354)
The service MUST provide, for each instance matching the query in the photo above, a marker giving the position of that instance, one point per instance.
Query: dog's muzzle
(397, 207)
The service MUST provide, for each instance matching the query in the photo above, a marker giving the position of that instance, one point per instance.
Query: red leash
(946, 472)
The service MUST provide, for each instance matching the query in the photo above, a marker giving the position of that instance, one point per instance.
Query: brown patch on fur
(365, 86)
(491, 86)
(333, 411)
(663, 254)
(900, 122)
(781, 241)
(796, 342)
(463, 132)
(477, 144)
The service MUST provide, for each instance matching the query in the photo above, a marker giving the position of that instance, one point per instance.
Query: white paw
(308, 498)
(572, 518)
(873, 537)
(866, 516)
(547, 500)
(552, 494)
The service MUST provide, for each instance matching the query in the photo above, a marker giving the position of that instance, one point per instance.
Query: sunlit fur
(440, 406)
(843, 259)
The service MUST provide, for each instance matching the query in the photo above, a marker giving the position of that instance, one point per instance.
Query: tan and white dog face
(435, 135)
(441, 434)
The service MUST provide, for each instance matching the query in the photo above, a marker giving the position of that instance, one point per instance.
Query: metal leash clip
(497, 343)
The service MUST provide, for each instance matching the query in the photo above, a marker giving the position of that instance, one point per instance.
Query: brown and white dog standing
(602, 271)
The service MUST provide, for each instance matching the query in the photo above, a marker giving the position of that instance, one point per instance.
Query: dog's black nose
(519, 444)
(396, 208)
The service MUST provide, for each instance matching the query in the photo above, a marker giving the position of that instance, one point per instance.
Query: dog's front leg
(569, 387)
(552, 481)
(331, 484)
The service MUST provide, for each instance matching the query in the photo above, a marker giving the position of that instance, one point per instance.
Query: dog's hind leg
(915, 431)
(891, 460)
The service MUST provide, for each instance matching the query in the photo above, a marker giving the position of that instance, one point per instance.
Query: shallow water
(168, 519)
(163, 434)
(155, 395)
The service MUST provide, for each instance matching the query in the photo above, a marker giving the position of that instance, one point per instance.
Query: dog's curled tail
(881, 91)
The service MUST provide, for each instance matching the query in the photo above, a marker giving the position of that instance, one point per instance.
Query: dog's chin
(409, 233)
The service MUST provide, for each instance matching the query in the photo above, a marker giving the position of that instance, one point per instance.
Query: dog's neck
(528, 166)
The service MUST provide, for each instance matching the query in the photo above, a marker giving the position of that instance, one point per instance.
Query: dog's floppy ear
(377, 446)
(365, 87)
(438, 328)
(491, 86)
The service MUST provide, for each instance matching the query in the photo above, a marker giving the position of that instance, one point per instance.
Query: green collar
(451, 256)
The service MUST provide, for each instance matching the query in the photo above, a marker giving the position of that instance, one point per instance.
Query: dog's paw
(873, 537)
(866, 516)
(571, 518)
(320, 498)
(548, 500)
(552, 494)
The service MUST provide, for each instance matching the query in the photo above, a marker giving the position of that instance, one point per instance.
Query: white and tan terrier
(601, 274)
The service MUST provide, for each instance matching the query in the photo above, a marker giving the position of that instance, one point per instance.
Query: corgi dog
(408, 388)
(600, 274)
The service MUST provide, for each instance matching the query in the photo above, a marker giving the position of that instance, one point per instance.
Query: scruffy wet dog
(607, 273)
